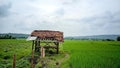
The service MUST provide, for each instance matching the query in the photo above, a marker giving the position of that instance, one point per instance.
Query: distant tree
(109, 40)
(13, 38)
(118, 38)
(7, 37)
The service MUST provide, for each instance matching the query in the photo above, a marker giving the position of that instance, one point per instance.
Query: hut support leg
(33, 45)
(42, 52)
(37, 44)
(57, 44)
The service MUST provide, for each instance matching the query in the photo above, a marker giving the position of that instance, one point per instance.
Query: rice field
(93, 54)
(82, 54)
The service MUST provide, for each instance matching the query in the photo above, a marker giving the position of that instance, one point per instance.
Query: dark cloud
(4, 9)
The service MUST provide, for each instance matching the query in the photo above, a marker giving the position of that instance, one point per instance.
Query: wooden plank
(48, 40)
(48, 46)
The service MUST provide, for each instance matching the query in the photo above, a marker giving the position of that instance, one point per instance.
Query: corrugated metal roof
(31, 38)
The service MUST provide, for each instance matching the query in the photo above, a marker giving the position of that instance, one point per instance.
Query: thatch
(48, 34)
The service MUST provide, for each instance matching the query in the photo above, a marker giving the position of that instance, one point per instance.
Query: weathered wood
(38, 42)
(42, 52)
(57, 44)
(14, 61)
(46, 40)
(32, 60)
(48, 47)
(33, 45)
(36, 46)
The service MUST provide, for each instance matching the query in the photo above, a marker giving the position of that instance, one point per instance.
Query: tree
(6, 36)
(118, 38)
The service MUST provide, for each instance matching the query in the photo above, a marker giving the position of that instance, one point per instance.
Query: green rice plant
(93, 54)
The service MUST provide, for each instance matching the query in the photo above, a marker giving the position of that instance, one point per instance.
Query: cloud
(73, 17)
(106, 23)
(4, 8)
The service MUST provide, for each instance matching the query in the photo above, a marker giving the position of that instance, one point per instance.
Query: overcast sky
(73, 17)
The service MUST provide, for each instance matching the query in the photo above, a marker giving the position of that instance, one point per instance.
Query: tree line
(117, 39)
(7, 36)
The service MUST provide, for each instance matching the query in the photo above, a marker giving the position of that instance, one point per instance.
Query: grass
(93, 54)
(73, 54)
(8, 48)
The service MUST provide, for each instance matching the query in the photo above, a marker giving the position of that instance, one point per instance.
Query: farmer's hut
(47, 37)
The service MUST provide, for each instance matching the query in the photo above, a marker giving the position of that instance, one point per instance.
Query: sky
(73, 17)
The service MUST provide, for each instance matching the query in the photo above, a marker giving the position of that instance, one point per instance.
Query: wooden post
(37, 46)
(39, 43)
(42, 52)
(14, 61)
(33, 45)
(57, 44)
(32, 59)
